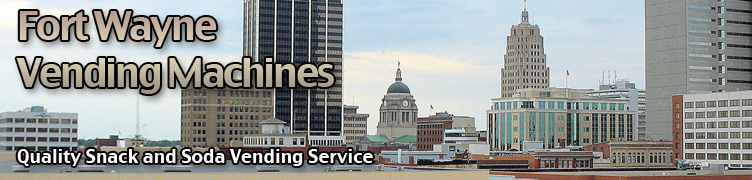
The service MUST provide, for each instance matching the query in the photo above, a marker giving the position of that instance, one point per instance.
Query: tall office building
(300, 31)
(214, 117)
(525, 61)
(38, 130)
(694, 46)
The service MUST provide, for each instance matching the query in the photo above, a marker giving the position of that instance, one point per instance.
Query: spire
(525, 18)
(399, 72)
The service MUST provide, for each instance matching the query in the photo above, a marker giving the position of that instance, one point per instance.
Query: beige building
(558, 117)
(214, 117)
(525, 60)
(355, 125)
(635, 154)
(398, 113)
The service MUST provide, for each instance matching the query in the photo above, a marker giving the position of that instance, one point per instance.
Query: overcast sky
(451, 54)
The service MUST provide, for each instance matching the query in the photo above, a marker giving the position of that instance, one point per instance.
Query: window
(689, 156)
(689, 146)
(723, 124)
(723, 135)
(747, 113)
(689, 105)
(735, 114)
(735, 124)
(746, 102)
(712, 104)
(700, 104)
(735, 145)
(723, 103)
(700, 114)
(735, 135)
(733, 103)
(689, 115)
(746, 124)
(689, 125)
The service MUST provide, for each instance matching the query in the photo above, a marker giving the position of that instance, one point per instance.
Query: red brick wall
(677, 100)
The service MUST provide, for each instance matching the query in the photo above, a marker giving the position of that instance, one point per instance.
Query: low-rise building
(635, 154)
(432, 129)
(563, 160)
(713, 128)
(559, 117)
(36, 129)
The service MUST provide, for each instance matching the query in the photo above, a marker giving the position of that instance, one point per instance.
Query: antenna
(525, 4)
(138, 115)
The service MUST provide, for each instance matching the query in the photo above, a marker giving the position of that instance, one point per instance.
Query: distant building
(214, 117)
(635, 154)
(525, 59)
(431, 130)
(623, 89)
(116, 141)
(563, 160)
(559, 117)
(398, 112)
(355, 125)
(714, 128)
(694, 46)
(38, 130)
(274, 134)
(378, 143)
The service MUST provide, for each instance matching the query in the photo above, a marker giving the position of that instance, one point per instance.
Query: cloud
(369, 65)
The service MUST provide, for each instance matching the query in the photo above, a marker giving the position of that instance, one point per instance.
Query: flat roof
(6, 167)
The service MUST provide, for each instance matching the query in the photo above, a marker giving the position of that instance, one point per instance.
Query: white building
(36, 129)
(623, 89)
(274, 134)
(715, 128)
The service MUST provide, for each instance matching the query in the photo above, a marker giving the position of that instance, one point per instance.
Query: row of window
(635, 158)
(717, 156)
(41, 130)
(721, 124)
(38, 148)
(560, 105)
(718, 135)
(717, 145)
(719, 103)
(39, 121)
(716, 114)
(41, 139)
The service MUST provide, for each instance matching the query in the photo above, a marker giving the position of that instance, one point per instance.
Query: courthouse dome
(398, 87)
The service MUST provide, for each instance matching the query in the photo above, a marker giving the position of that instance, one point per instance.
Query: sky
(451, 53)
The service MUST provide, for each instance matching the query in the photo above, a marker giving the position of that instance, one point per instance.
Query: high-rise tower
(300, 31)
(694, 46)
(525, 60)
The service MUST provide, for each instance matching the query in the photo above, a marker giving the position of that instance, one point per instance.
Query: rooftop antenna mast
(138, 116)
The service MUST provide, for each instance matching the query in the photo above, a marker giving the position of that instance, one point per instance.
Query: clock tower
(398, 113)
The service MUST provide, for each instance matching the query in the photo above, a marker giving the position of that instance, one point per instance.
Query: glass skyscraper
(299, 31)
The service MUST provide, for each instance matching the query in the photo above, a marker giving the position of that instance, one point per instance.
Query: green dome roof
(398, 87)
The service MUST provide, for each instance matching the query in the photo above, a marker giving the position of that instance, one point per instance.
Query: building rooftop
(407, 139)
(7, 167)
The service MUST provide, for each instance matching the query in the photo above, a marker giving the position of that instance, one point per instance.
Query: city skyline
(377, 34)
